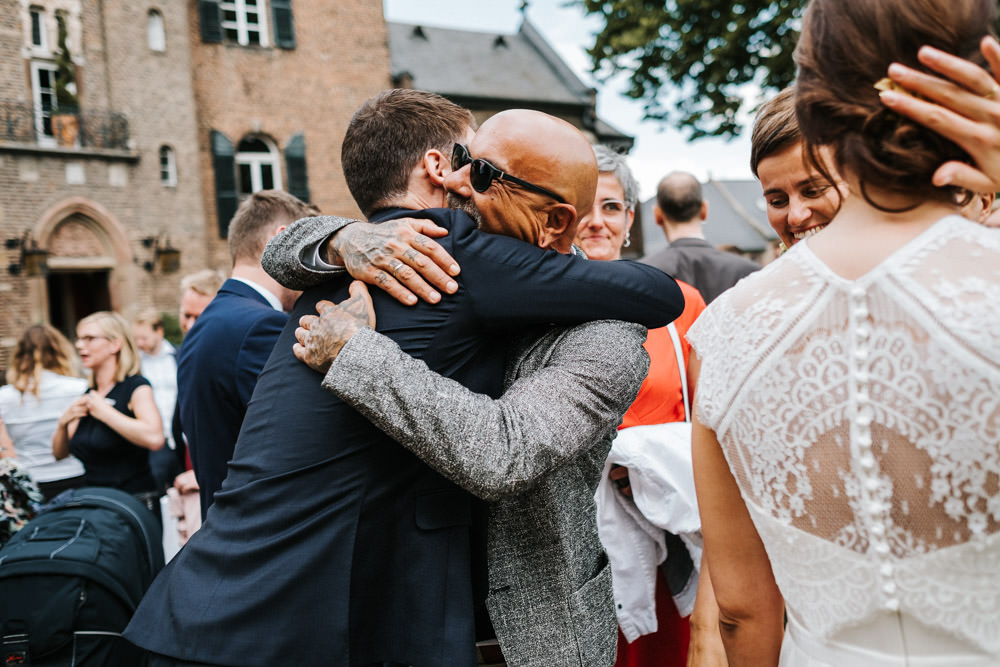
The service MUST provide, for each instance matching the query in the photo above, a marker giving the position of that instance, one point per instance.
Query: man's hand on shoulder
(398, 256)
(320, 338)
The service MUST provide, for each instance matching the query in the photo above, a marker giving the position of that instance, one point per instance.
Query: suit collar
(240, 288)
(388, 213)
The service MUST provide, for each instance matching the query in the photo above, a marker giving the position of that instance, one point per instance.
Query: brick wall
(341, 58)
(175, 98)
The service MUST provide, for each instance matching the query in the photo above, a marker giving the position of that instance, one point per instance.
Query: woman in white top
(847, 436)
(44, 381)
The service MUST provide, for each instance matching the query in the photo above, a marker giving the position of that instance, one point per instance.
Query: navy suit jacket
(217, 369)
(330, 543)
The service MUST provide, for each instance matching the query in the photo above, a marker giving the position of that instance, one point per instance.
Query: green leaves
(692, 60)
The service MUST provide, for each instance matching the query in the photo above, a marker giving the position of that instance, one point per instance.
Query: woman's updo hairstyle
(846, 47)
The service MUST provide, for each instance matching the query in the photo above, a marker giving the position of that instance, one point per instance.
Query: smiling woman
(800, 200)
(604, 230)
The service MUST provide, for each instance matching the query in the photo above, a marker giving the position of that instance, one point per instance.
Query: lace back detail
(862, 423)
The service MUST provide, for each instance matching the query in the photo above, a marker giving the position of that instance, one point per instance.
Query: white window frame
(38, 13)
(156, 35)
(241, 26)
(37, 92)
(255, 160)
(168, 166)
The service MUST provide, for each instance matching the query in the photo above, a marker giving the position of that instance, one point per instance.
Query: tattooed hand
(321, 338)
(398, 256)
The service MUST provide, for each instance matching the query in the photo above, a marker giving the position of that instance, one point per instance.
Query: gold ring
(992, 95)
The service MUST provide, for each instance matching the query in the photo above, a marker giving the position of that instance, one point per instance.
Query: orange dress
(660, 401)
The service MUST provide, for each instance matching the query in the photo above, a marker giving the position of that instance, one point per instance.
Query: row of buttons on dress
(877, 510)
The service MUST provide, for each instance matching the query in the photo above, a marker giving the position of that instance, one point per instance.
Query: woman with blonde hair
(113, 427)
(44, 380)
(845, 442)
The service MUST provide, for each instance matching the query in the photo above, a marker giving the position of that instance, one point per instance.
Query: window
(43, 92)
(256, 166)
(155, 34)
(38, 37)
(245, 21)
(168, 167)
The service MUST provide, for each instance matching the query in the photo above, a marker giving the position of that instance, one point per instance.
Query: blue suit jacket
(329, 543)
(217, 369)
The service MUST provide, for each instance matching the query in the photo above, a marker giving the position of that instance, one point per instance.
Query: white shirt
(271, 298)
(161, 371)
(31, 421)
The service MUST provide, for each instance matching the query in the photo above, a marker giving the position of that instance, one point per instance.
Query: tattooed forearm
(324, 337)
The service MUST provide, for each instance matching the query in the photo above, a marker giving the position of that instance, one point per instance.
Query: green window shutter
(295, 165)
(226, 197)
(284, 27)
(210, 20)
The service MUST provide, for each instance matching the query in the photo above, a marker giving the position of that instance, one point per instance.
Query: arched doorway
(80, 264)
(89, 264)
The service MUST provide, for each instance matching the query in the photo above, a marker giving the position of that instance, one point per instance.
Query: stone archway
(90, 262)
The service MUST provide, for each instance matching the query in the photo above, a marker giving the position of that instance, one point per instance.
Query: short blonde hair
(256, 219)
(116, 327)
(205, 282)
(150, 317)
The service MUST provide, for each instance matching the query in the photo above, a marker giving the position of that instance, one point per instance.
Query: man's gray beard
(462, 204)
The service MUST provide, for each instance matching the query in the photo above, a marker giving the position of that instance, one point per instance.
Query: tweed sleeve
(287, 257)
(497, 447)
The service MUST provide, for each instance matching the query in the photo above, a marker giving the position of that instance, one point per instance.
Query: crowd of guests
(459, 442)
(97, 411)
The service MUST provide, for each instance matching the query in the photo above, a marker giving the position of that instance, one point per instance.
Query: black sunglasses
(482, 173)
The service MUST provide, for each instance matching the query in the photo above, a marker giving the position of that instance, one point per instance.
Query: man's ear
(437, 165)
(704, 211)
(658, 216)
(558, 221)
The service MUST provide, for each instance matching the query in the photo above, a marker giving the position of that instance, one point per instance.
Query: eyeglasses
(482, 173)
(87, 340)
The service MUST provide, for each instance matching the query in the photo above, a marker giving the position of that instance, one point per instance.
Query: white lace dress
(861, 420)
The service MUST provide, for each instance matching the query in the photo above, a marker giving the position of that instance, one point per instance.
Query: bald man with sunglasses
(535, 453)
(361, 553)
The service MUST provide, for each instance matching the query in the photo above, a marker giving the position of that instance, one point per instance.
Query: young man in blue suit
(226, 349)
(329, 544)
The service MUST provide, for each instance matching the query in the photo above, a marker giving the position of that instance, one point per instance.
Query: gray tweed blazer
(536, 453)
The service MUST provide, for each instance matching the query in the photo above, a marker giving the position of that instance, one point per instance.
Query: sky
(658, 149)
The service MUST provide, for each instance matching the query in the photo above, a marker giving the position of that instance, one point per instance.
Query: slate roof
(736, 216)
(494, 70)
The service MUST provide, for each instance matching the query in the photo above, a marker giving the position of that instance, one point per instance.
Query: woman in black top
(112, 427)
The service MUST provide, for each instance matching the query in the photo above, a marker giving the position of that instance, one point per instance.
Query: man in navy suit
(227, 347)
(328, 542)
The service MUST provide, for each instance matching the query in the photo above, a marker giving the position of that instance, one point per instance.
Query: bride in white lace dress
(847, 440)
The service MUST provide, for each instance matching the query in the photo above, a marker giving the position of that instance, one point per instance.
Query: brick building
(174, 110)
(126, 179)
(79, 158)
(275, 92)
